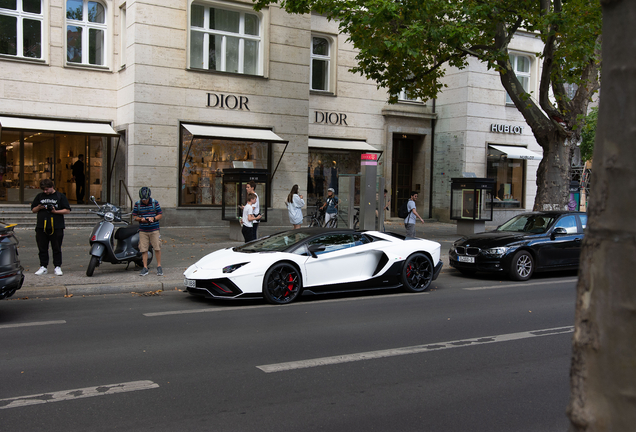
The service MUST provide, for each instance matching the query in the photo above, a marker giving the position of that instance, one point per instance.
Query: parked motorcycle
(103, 246)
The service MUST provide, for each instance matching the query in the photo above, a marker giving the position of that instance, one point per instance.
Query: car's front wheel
(417, 273)
(522, 266)
(282, 284)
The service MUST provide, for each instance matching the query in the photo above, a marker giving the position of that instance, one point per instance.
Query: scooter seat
(127, 231)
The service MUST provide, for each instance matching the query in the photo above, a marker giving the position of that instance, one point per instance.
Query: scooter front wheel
(91, 265)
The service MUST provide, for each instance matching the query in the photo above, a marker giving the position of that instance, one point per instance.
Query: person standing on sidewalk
(80, 178)
(409, 221)
(294, 204)
(50, 206)
(250, 187)
(249, 218)
(148, 213)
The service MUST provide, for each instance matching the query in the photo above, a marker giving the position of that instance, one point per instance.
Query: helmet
(144, 193)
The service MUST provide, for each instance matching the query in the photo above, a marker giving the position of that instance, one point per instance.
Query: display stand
(471, 203)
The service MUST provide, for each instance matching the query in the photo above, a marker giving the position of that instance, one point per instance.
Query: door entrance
(402, 171)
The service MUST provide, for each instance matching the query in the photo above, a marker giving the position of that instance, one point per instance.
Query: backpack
(154, 205)
(403, 210)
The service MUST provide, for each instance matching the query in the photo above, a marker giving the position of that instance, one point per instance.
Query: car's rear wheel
(282, 284)
(417, 273)
(522, 266)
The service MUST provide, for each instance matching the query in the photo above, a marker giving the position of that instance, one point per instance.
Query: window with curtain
(21, 23)
(86, 27)
(521, 66)
(225, 40)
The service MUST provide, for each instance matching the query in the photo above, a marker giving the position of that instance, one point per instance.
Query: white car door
(345, 259)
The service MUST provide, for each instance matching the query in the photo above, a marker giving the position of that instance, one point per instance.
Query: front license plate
(466, 259)
(190, 283)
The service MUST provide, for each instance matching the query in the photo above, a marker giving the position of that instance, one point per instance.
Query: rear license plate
(466, 259)
(190, 283)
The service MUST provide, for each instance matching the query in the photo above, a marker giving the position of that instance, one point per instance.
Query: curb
(95, 289)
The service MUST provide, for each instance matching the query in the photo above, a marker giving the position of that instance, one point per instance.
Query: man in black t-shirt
(51, 206)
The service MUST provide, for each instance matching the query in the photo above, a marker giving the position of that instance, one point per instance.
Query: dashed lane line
(66, 395)
(31, 324)
(370, 355)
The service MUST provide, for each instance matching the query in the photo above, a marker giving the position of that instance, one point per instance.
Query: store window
(320, 63)
(203, 161)
(324, 168)
(21, 23)
(50, 155)
(509, 176)
(521, 66)
(86, 28)
(225, 40)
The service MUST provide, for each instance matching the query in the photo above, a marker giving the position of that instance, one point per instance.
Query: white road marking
(76, 394)
(324, 361)
(519, 285)
(223, 309)
(40, 323)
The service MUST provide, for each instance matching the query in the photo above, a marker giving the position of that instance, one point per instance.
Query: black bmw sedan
(529, 242)
(11, 272)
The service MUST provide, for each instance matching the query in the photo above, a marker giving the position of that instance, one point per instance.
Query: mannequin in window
(80, 179)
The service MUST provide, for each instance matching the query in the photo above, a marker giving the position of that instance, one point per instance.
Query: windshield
(527, 223)
(274, 243)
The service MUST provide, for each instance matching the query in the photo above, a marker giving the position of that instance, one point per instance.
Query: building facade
(168, 94)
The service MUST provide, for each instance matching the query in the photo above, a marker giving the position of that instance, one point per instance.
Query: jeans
(410, 230)
(43, 241)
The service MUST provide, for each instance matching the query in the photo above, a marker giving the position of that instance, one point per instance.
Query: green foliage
(404, 43)
(588, 134)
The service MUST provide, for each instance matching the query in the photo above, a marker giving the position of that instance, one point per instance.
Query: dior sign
(228, 102)
(506, 129)
(331, 118)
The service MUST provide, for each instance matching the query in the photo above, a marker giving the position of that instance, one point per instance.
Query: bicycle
(317, 218)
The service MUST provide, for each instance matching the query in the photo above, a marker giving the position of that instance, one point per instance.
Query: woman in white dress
(294, 205)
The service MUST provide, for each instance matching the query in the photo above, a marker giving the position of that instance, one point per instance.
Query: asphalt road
(473, 354)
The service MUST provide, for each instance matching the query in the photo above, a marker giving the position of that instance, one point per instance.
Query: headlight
(233, 267)
(109, 216)
(497, 252)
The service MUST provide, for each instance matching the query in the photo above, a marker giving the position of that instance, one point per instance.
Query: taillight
(94, 238)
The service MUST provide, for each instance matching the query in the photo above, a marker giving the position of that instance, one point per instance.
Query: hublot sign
(228, 102)
(506, 129)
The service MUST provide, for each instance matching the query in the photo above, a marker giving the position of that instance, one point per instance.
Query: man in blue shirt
(409, 221)
(332, 206)
(148, 213)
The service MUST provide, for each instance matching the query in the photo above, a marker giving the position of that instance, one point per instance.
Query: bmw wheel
(417, 273)
(522, 266)
(282, 284)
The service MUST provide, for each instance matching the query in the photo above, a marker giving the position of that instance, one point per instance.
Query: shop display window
(509, 179)
(324, 168)
(203, 161)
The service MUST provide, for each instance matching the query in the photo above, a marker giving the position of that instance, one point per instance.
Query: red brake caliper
(290, 285)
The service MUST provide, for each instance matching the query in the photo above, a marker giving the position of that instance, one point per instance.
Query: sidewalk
(181, 247)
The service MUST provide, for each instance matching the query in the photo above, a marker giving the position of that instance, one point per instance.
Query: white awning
(334, 144)
(513, 152)
(102, 129)
(202, 131)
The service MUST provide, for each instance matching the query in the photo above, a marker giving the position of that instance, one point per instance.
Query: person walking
(147, 212)
(409, 221)
(50, 206)
(332, 206)
(294, 204)
(79, 177)
(249, 218)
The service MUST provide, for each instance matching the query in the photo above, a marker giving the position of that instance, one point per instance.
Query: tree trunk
(553, 175)
(603, 373)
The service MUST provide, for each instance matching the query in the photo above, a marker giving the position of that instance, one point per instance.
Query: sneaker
(159, 271)
(144, 272)
(41, 271)
(58, 271)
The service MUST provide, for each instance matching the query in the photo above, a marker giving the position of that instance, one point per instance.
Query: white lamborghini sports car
(283, 266)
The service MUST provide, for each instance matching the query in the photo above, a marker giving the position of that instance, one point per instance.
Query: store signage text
(506, 129)
(228, 101)
(331, 118)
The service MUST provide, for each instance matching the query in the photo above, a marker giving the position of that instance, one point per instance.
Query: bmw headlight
(497, 252)
(233, 267)
(109, 216)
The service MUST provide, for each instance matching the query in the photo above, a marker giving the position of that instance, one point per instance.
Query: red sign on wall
(369, 156)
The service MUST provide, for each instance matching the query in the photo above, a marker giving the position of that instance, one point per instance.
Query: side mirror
(316, 248)
(558, 231)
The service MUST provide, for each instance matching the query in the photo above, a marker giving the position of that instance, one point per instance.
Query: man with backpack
(408, 212)
(148, 213)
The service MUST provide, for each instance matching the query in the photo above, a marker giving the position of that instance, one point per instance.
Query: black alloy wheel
(522, 266)
(417, 273)
(282, 284)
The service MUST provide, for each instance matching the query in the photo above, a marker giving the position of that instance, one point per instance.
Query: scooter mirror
(92, 198)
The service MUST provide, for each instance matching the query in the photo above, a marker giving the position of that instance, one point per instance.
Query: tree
(406, 44)
(588, 134)
(603, 372)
